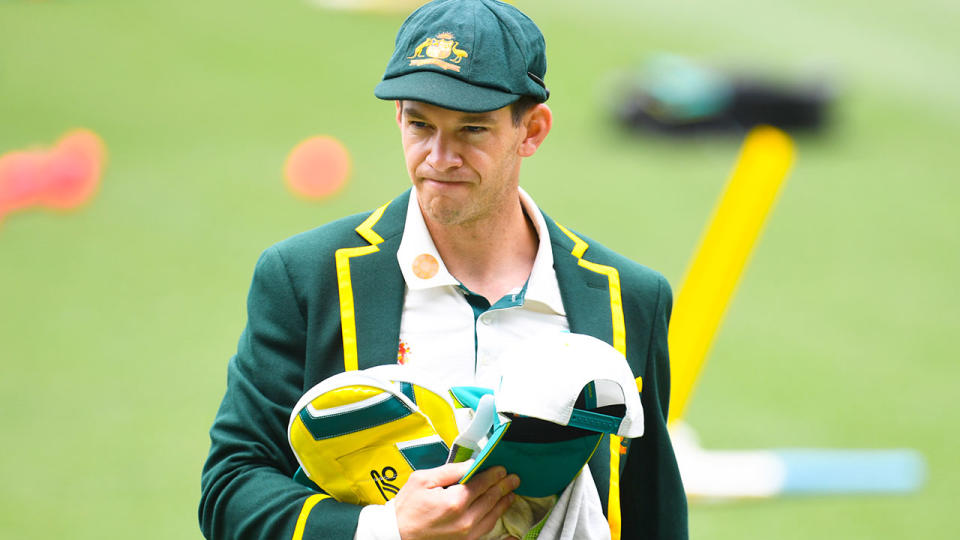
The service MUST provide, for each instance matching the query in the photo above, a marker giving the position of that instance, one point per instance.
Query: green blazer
(330, 300)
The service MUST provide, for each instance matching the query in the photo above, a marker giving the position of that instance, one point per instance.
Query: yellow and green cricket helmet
(360, 434)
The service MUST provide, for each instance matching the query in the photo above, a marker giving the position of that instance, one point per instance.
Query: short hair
(520, 107)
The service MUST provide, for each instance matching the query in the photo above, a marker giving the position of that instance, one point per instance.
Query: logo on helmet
(382, 479)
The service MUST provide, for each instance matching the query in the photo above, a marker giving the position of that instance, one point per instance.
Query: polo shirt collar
(419, 259)
(542, 285)
(423, 268)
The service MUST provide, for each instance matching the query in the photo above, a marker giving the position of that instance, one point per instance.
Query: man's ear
(537, 122)
(399, 105)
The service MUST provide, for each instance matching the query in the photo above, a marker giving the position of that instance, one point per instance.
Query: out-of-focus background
(117, 318)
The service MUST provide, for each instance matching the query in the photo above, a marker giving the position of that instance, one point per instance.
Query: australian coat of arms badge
(439, 51)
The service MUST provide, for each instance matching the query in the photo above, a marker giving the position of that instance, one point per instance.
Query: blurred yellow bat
(765, 159)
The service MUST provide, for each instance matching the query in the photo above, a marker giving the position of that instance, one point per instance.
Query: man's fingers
(480, 483)
(489, 521)
(472, 508)
(444, 475)
(495, 495)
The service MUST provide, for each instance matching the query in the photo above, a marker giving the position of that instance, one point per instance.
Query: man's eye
(474, 129)
(418, 125)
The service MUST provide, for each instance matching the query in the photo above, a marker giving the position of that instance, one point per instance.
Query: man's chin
(444, 214)
(441, 210)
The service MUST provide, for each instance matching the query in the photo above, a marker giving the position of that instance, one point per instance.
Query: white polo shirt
(460, 343)
(445, 330)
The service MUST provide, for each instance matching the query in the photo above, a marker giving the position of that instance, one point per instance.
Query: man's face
(464, 166)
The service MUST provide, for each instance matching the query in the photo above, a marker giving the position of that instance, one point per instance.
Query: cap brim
(583, 360)
(444, 91)
(544, 468)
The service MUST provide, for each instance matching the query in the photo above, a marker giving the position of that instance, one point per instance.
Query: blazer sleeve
(653, 503)
(247, 490)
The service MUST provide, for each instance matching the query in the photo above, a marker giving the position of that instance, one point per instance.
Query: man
(445, 277)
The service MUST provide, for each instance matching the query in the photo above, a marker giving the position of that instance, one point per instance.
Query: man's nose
(443, 154)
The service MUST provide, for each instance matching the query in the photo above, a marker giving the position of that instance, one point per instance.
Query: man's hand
(432, 505)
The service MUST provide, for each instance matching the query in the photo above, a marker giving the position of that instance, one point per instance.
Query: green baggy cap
(466, 55)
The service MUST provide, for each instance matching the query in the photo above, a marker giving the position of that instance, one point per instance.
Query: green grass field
(117, 320)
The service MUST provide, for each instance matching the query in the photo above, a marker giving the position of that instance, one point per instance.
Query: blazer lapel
(586, 299)
(378, 290)
(585, 294)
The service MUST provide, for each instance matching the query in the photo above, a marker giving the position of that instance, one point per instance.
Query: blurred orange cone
(317, 167)
(63, 177)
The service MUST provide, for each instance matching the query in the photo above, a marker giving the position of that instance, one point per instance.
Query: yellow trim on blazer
(348, 320)
(620, 344)
(305, 513)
